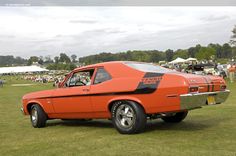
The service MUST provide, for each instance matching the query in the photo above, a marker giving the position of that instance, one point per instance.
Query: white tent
(21, 69)
(191, 59)
(178, 60)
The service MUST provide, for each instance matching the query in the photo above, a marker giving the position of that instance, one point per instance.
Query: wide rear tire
(38, 117)
(128, 117)
(176, 118)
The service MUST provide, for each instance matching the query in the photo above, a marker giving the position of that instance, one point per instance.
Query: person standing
(232, 70)
(1, 83)
(234, 66)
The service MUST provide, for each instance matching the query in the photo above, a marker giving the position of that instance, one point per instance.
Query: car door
(74, 97)
(100, 92)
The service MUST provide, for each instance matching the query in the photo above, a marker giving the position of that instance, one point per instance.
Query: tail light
(193, 89)
(222, 87)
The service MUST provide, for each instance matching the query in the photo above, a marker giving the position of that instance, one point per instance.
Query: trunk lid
(205, 83)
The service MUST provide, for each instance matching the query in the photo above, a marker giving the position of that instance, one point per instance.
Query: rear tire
(176, 118)
(38, 117)
(128, 117)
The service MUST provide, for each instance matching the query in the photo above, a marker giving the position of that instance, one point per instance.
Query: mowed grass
(208, 131)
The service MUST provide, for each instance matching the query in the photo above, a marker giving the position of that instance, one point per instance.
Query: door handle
(85, 90)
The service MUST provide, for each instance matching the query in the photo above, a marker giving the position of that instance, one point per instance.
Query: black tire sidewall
(41, 116)
(34, 123)
(140, 118)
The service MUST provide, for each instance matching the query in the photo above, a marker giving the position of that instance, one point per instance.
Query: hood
(38, 94)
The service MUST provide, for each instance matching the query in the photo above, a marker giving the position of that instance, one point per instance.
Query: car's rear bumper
(196, 100)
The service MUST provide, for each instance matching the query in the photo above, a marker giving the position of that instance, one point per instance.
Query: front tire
(38, 117)
(128, 117)
(176, 118)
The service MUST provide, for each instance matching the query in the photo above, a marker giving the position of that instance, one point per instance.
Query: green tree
(181, 53)
(32, 59)
(41, 61)
(73, 58)
(141, 56)
(218, 49)
(226, 51)
(56, 59)
(205, 53)
(48, 59)
(156, 56)
(169, 54)
(191, 52)
(64, 58)
(233, 37)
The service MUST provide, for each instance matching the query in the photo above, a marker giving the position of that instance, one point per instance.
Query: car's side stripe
(148, 85)
(96, 94)
(208, 85)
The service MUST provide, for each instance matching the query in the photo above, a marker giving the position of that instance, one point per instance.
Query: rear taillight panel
(193, 89)
(223, 87)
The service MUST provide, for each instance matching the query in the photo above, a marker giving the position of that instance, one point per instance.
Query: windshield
(148, 67)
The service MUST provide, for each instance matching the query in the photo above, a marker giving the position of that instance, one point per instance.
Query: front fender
(31, 102)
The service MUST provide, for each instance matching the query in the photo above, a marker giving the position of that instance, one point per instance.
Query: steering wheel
(80, 82)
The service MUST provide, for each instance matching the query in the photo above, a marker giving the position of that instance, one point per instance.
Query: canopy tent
(178, 60)
(21, 69)
(191, 59)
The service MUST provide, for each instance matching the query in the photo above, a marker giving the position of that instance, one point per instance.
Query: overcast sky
(41, 31)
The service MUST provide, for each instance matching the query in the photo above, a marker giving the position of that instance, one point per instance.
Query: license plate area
(211, 100)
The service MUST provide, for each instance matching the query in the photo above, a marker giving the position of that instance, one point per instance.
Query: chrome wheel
(34, 115)
(38, 117)
(125, 116)
(128, 117)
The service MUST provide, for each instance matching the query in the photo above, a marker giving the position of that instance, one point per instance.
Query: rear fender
(131, 98)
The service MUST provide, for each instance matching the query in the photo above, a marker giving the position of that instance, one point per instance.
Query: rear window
(148, 67)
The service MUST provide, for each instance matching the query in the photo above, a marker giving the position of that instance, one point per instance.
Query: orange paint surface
(94, 101)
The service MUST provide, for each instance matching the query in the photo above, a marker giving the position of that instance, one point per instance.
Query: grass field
(208, 131)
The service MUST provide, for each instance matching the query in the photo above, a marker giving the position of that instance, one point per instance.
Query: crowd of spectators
(206, 68)
(44, 78)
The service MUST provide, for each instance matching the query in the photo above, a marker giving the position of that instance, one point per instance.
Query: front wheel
(128, 117)
(177, 117)
(37, 116)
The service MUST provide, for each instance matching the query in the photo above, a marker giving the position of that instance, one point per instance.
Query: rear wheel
(177, 117)
(128, 117)
(37, 116)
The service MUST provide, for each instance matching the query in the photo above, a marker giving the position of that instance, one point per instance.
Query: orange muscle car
(126, 92)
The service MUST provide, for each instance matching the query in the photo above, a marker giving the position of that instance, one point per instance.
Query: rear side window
(101, 76)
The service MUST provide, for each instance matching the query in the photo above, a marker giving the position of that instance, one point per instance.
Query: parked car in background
(209, 69)
(197, 69)
(128, 93)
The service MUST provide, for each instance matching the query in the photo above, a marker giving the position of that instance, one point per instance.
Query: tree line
(61, 62)
(64, 62)
(212, 51)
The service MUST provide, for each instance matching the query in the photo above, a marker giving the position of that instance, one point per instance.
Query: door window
(81, 78)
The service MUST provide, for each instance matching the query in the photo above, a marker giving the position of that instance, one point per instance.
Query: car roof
(107, 63)
(99, 64)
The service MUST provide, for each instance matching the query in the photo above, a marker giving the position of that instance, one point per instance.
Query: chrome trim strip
(195, 100)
